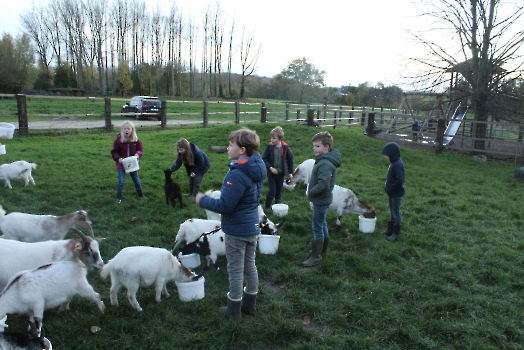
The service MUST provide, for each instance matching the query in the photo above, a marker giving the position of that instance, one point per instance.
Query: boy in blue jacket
(238, 204)
(394, 189)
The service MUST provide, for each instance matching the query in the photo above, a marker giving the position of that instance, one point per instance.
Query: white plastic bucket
(6, 130)
(280, 209)
(190, 260)
(2, 149)
(289, 187)
(268, 244)
(366, 225)
(130, 164)
(194, 290)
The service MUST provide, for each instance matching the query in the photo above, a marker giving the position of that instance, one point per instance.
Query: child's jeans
(319, 226)
(122, 180)
(240, 253)
(394, 210)
(197, 180)
(275, 184)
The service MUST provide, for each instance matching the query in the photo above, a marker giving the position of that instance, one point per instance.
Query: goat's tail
(105, 271)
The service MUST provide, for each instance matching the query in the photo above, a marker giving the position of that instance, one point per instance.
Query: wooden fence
(503, 138)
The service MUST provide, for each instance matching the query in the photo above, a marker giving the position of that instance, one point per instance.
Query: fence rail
(503, 138)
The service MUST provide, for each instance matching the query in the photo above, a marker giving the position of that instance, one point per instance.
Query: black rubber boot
(325, 247)
(140, 194)
(389, 229)
(119, 197)
(232, 310)
(316, 257)
(395, 235)
(249, 304)
(191, 188)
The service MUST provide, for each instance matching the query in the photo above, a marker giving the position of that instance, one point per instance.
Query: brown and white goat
(36, 228)
(18, 256)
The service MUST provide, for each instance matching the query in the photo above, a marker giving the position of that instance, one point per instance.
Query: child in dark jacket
(320, 193)
(238, 204)
(394, 189)
(279, 163)
(195, 161)
(126, 144)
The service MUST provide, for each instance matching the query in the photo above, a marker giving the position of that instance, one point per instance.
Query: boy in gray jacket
(320, 193)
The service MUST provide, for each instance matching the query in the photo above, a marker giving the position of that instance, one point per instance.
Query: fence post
(21, 104)
(287, 111)
(237, 112)
(163, 115)
(298, 116)
(107, 114)
(206, 115)
(310, 117)
(371, 125)
(439, 138)
(263, 113)
(363, 118)
(325, 107)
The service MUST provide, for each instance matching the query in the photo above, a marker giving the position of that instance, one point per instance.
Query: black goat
(172, 189)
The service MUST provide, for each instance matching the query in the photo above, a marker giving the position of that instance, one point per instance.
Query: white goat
(18, 256)
(30, 292)
(191, 229)
(302, 173)
(264, 220)
(135, 267)
(345, 201)
(36, 228)
(19, 170)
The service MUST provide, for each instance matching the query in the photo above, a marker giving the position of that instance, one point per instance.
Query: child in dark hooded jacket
(394, 189)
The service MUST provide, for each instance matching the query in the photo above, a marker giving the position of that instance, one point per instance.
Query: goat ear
(78, 246)
(100, 239)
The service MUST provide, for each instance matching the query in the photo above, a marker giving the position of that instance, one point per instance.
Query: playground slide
(454, 124)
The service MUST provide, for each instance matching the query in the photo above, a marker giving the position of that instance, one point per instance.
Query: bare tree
(481, 40)
(230, 60)
(248, 58)
(97, 20)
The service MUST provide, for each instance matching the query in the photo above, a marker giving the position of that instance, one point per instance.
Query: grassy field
(454, 280)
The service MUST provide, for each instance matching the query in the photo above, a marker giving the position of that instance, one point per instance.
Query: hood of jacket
(392, 151)
(332, 156)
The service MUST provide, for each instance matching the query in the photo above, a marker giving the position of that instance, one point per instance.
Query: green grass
(454, 280)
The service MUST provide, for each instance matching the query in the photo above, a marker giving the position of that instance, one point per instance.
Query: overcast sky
(353, 41)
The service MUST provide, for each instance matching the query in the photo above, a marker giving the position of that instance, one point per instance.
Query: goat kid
(135, 267)
(191, 230)
(345, 202)
(21, 341)
(36, 228)
(210, 244)
(273, 228)
(31, 292)
(19, 170)
(172, 189)
(302, 173)
(18, 256)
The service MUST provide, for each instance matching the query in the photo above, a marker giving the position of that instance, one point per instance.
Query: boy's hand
(198, 197)
(273, 170)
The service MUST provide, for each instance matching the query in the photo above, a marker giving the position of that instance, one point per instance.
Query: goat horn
(81, 235)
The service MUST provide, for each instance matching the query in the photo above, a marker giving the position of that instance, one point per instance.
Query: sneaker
(118, 200)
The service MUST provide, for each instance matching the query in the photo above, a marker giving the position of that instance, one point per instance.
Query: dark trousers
(394, 210)
(275, 184)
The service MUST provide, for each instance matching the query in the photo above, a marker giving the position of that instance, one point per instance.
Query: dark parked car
(143, 106)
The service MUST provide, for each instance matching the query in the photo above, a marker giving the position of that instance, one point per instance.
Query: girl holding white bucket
(127, 144)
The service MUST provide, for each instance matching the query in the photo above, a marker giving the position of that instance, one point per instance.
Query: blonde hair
(132, 137)
(277, 132)
(186, 157)
(246, 138)
(324, 137)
